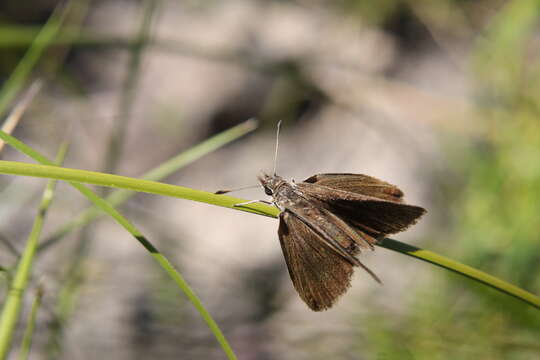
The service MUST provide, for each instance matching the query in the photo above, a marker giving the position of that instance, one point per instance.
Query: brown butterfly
(326, 220)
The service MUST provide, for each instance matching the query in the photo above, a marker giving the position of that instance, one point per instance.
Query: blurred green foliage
(494, 211)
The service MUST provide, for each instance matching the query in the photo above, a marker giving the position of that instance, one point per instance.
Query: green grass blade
(105, 206)
(261, 209)
(162, 261)
(462, 269)
(117, 181)
(124, 182)
(29, 332)
(160, 172)
(19, 76)
(133, 73)
(226, 201)
(69, 291)
(15, 36)
(12, 305)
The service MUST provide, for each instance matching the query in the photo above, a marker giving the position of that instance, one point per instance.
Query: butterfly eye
(268, 191)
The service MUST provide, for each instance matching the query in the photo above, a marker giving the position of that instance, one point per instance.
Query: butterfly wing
(375, 208)
(319, 274)
(358, 184)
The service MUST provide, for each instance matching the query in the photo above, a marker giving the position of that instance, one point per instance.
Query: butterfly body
(326, 220)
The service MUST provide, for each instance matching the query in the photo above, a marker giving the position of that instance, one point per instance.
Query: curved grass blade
(162, 171)
(129, 86)
(19, 76)
(29, 332)
(15, 116)
(462, 269)
(12, 306)
(261, 209)
(124, 182)
(126, 224)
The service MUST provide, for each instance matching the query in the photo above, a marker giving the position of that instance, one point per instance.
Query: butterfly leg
(253, 202)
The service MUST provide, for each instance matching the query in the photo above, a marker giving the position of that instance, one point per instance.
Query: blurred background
(441, 98)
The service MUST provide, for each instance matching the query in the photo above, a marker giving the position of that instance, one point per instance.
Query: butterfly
(326, 221)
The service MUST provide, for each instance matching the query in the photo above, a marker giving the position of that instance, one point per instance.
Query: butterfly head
(270, 183)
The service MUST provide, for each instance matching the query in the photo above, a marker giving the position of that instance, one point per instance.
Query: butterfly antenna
(221, 192)
(277, 146)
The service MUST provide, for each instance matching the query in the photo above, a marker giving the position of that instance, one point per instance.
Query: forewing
(359, 184)
(319, 274)
(372, 215)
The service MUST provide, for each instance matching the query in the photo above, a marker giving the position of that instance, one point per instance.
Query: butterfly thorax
(283, 192)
